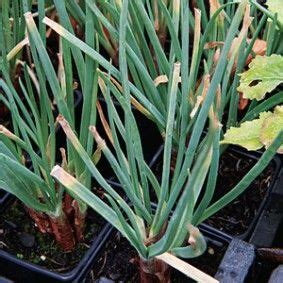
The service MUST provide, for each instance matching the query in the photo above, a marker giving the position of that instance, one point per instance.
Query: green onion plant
(184, 197)
(33, 133)
(161, 32)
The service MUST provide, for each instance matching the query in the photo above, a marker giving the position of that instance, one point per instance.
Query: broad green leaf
(264, 75)
(271, 128)
(247, 135)
(257, 133)
(275, 6)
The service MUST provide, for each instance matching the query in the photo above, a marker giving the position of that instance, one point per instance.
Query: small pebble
(43, 257)
(27, 240)
(210, 251)
(11, 224)
(104, 280)
(114, 276)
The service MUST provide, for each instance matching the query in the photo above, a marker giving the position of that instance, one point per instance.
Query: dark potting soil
(236, 217)
(119, 263)
(2, 193)
(20, 237)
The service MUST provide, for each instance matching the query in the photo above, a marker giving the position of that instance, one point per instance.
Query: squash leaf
(271, 128)
(275, 6)
(264, 75)
(248, 134)
(257, 133)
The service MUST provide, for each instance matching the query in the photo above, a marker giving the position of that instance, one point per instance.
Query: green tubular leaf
(65, 19)
(102, 18)
(161, 58)
(171, 28)
(211, 181)
(147, 55)
(34, 111)
(127, 105)
(266, 105)
(24, 184)
(104, 63)
(168, 146)
(184, 107)
(234, 98)
(83, 193)
(152, 93)
(197, 248)
(152, 179)
(47, 66)
(189, 198)
(82, 45)
(28, 199)
(248, 179)
(125, 182)
(209, 29)
(182, 216)
(76, 10)
(92, 168)
(203, 114)
(266, 72)
(129, 233)
(89, 96)
(6, 151)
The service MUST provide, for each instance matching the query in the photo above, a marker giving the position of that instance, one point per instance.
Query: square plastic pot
(19, 270)
(264, 207)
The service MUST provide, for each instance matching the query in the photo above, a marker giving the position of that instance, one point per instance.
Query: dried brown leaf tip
(63, 122)
(6, 132)
(194, 234)
(100, 142)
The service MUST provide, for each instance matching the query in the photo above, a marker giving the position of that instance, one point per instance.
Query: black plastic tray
(276, 163)
(20, 270)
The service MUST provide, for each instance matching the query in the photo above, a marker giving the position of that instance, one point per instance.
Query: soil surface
(236, 217)
(119, 263)
(20, 237)
(2, 193)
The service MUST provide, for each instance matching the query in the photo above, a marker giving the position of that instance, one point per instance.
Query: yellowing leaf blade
(248, 134)
(271, 128)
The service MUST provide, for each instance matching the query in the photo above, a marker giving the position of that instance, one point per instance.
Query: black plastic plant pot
(60, 140)
(271, 182)
(20, 270)
(269, 229)
(268, 235)
(118, 262)
(5, 280)
(260, 201)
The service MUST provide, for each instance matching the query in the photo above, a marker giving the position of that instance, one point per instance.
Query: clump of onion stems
(34, 134)
(159, 32)
(184, 199)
